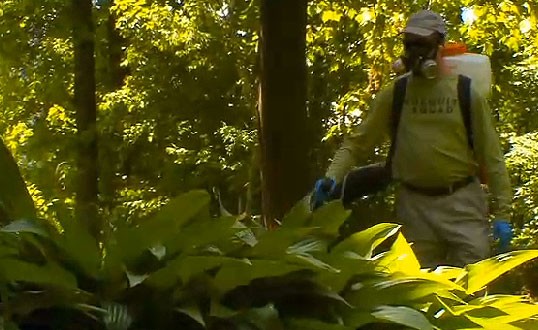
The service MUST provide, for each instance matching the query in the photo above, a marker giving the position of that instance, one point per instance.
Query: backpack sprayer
(370, 179)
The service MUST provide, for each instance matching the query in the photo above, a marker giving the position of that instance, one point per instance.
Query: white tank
(475, 66)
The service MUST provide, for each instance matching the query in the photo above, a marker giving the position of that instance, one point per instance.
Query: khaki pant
(446, 230)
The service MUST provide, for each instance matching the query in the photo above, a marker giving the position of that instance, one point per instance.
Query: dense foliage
(177, 92)
(183, 267)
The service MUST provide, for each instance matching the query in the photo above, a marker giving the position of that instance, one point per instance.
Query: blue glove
(322, 192)
(502, 231)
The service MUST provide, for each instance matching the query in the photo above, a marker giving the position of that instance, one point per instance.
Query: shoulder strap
(398, 98)
(464, 98)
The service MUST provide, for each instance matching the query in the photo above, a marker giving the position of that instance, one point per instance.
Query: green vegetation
(165, 227)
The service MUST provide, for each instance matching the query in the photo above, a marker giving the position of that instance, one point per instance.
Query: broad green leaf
(161, 228)
(233, 275)
(184, 268)
(264, 318)
(245, 234)
(330, 217)
(26, 226)
(309, 245)
(79, 246)
(274, 243)
(15, 200)
(298, 216)
(48, 274)
(458, 310)
(492, 324)
(348, 267)
(516, 308)
(446, 322)
(313, 324)
(402, 291)
(308, 261)
(363, 243)
(135, 279)
(450, 273)
(26, 302)
(193, 312)
(400, 258)
(356, 319)
(117, 317)
(159, 251)
(530, 324)
(218, 310)
(403, 315)
(484, 272)
(202, 233)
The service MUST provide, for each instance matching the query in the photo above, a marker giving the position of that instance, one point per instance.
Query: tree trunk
(114, 77)
(283, 115)
(86, 116)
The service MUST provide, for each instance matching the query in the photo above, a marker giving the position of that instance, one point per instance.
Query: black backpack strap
(398, 98)
(464, 98)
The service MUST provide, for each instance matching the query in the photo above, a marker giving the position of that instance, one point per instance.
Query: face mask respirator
(419, 58)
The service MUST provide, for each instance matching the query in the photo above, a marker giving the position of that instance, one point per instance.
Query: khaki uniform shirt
(432, 148)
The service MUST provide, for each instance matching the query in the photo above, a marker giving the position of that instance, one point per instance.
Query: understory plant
(182, 268)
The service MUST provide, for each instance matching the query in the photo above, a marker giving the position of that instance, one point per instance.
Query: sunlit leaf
(483, 272)
(403, 315)
(363, 243)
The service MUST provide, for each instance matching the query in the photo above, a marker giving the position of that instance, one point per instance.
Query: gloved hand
(322, 192)
(502, 231)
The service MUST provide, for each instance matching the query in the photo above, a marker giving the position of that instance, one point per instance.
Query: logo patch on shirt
(431, 105)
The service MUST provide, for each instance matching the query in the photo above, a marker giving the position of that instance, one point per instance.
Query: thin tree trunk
(283, 116)
(86, 116)
(114, 79)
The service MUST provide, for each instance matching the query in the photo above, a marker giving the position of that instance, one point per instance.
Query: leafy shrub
(183, 268)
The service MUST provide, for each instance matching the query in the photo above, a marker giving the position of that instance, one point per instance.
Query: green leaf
(298, 216)
(135, 279)
(15, 200)
(203, 232)
(233, 275)
(184, 268)
(330, 217)
(26, 302)
(308, 261)
(193, 312)
(117, 317)
(349, 266)
(25, 226)
(330, 15)
(264, 318)
(309, 245)
(162, 228)
(402, 291)
(312, 324)
(363, 243)
(403, 315)
(356, 319)
(400, 258)
(48, 274)
(274, 243)
(516, 308)
(491, 324)
(79, 246)
(484, 272)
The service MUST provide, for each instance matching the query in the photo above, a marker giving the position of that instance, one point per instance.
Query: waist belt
(440, 191)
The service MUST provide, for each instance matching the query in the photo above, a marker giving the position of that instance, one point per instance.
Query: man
(440, 201)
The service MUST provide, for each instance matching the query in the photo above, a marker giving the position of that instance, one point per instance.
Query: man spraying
(440, 201)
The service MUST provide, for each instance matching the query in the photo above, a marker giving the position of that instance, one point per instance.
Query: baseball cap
(424, 23)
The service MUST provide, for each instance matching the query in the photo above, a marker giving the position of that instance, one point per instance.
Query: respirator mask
(419, 58)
